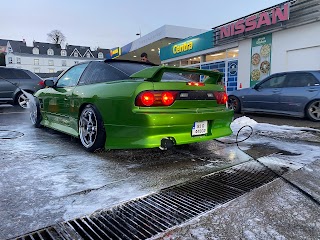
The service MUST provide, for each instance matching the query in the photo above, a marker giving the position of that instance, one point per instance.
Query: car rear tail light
(200, 84)
(156, 98)
(147, 99)
(221, 97)
(41, 83)
(167, 98)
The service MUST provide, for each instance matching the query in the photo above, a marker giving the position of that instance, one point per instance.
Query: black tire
(234, 103)
(35, 114)
(92, 133)
(313, 110)
(21, 100)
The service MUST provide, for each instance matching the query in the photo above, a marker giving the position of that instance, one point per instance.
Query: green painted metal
(128, 126)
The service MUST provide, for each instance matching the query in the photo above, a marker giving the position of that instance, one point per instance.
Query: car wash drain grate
(145, 217)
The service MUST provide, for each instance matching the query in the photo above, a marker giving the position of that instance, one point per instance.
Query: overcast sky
(112, 23)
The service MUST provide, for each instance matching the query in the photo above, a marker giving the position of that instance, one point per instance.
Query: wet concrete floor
(46, 176)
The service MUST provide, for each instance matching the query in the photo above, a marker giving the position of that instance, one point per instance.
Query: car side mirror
(256, 87)
(48, 83)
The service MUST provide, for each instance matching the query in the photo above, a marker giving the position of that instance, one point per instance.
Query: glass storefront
(225, 62)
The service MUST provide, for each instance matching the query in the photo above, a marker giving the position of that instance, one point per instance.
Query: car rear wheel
(313, 110)
(35, 114)
(22, 100)
(91, 130)
(234, 103)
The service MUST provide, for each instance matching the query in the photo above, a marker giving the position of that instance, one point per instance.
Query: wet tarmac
(46, 176)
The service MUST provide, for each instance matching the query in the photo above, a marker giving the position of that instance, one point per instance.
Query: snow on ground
(286, 138)
(268, 212)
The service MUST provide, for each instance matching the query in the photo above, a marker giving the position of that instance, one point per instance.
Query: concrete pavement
(274, 211)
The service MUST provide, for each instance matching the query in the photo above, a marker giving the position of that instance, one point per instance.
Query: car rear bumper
(177, 125)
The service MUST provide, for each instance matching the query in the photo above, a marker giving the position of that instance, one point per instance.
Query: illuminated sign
(183, 47)
(251, 23)
(115, 52)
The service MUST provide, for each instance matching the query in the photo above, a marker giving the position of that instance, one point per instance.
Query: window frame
(35, 50)
(50, 52)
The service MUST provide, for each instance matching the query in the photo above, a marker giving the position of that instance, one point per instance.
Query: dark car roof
(300, 71)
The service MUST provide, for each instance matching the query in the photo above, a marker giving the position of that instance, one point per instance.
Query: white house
(47, 57)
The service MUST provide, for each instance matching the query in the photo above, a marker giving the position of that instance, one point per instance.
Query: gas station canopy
(152, 42)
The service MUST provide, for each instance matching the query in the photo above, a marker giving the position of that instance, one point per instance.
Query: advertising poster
(260, 58)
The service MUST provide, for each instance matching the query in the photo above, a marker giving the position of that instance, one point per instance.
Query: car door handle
(312, 90)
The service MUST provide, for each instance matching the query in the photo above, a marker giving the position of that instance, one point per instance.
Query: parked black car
(288, 93)
(12, 80)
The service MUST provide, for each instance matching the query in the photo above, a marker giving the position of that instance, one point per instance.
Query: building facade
(48, 58)
(280, 38)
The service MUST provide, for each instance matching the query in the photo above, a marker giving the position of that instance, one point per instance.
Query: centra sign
(183, 47)
(271, 17)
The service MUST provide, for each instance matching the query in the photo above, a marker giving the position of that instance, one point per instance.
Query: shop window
(36, 61)
(233, 53)
(50, 62)
(37, 70)
(18, 60)
(64, 63)
(216, 56)
(51, 70)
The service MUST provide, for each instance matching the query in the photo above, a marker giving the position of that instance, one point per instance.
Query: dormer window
(100, 55)
(88, 55)
(35, 50)
(50, 52)
(75, 54)
(63, 53)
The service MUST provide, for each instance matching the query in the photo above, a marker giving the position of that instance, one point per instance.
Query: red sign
(256, 21)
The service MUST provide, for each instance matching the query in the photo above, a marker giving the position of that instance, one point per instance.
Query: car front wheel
(313, 110)
(91, 130)
(234, 103)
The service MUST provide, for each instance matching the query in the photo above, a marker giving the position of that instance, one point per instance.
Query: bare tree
(56, 37)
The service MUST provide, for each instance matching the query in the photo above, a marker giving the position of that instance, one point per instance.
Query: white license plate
(200, 128)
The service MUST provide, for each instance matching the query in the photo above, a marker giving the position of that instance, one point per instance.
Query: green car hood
(154, 74)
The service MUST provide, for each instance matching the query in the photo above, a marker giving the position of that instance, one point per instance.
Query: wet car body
(109, 104)
(289, 93)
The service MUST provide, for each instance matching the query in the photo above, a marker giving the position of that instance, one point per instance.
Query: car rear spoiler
(154, 74)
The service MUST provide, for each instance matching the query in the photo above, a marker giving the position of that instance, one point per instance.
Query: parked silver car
(12, 80)
(288, 93)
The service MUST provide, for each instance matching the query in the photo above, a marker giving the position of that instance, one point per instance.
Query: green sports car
(116, 104)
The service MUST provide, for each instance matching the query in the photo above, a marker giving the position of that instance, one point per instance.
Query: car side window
(300, 80)
(72, 76)
(7, 73)
(274, 82)
(20, 74)
(98, 72)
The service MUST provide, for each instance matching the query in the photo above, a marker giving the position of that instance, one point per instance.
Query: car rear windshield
(8, 73)
(103, 72)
